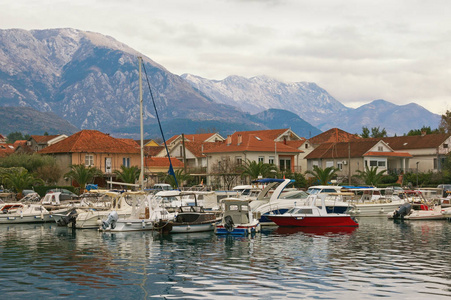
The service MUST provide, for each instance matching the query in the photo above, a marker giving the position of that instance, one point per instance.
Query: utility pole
(349, 163)
(184, 153)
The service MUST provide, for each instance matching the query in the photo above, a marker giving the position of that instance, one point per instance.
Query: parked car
(65, 194)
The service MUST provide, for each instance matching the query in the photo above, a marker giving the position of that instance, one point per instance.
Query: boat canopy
(268, 180)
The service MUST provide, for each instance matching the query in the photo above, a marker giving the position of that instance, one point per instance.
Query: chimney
(229, 140)
(240, 139)
(423, 132)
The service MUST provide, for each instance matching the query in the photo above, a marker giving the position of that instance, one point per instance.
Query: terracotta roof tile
(152, 150)
(6, 149)
(162, 162)
(391, 154)
(334, 135)
(341, 150)
(254, 141)
(131, 142)
(296, 144)
(92, 141)
(43, 139)
(416, 141)
(201, 137)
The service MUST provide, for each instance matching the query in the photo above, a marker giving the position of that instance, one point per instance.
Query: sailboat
(148, 213)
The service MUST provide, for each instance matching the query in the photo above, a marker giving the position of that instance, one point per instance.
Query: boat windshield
(300, 210)
(313, 191)
(294, 195)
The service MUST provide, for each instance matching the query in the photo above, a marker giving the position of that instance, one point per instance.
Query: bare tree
(226, 172)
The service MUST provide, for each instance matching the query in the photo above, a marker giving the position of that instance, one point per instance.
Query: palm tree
(128, 174)
(21, 180)
(371, 176)
(180, 175)
(254, 169)
(83, 175)
(323, 175)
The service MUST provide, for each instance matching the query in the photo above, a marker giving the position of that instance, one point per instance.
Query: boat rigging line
(171, 169)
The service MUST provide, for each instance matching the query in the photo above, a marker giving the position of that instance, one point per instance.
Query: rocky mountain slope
(30, 121)
(256, 94)
(313, 104)
(91, 80)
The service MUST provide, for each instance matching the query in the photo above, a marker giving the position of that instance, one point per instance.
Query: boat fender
(111, 220)
(228, 223)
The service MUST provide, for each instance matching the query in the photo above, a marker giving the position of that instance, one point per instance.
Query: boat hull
(139, 225)
(184, 228)
(240, 230)
(314, 221)
(374, 210)
(20, 219)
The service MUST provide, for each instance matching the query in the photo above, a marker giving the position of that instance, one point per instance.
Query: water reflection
(380, 258)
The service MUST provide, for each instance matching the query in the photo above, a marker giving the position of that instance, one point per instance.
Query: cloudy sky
(358, 50)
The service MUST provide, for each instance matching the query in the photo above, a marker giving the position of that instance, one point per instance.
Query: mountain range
(90, 81)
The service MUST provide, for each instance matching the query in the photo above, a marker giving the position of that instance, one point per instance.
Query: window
(373, 163)
(89, 160)
(271, 160)
(306, 146)
(329, 164)
(445, 145)
(380, 148)
(181, 151)
(261, 159)
(126, 162)
(285, 164)
(381, 163)
(239, 160)
(107, 164)
(441, 162)
(340, 165)
(315, 163)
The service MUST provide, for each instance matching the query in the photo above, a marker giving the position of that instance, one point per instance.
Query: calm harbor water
(381, 258)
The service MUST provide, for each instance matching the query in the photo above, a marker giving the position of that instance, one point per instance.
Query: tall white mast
(141, 175)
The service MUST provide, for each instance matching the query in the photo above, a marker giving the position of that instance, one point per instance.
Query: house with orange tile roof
(2, 139)
(199, 137)
(6, 149)
(94, 148)
(333, 135)
(39, 142)
(428, 151)
(267, 146)
(354, 155)
(156, 165)
(189, 149)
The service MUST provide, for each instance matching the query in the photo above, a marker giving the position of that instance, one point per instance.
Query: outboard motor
(111, 220)
(402, 211)
(70, 218)
(228, 223)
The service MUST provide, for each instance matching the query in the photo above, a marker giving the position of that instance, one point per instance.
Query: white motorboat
(91, 217)
(273, 200)
(18, 212)
(310, 215)
(237, 219)
(420, 211)
(371, 202)
(147, 213)
(193, 219)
